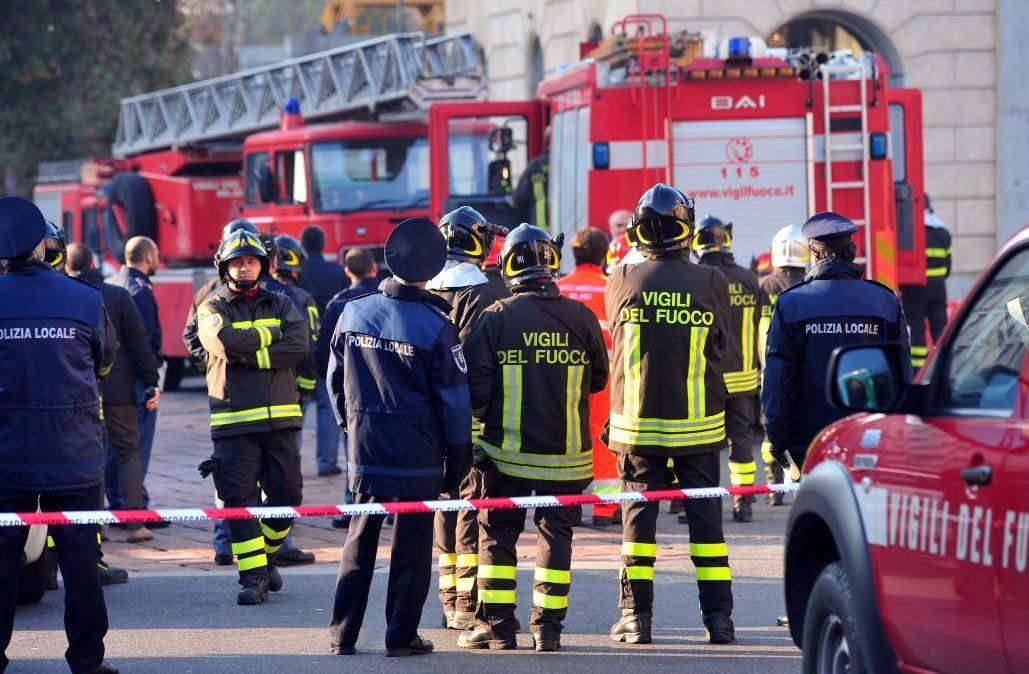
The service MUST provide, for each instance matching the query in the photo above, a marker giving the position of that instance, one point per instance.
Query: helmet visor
(532, 256)
(654, 230)
(460, 239)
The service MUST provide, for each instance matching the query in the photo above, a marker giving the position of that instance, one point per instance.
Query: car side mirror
(867, 377)
(266, 184)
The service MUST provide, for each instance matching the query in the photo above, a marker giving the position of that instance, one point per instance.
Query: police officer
(790, 258)
(670, 325)
(534, 359)
(929, 301)
(55, 344)
(398, 381)
(713, 244)
(831, 307)
(253, 339)
(464, 286)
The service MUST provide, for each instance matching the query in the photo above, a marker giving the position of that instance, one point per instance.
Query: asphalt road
(184, 623)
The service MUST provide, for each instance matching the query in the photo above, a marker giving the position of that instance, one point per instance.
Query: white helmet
(789, 248)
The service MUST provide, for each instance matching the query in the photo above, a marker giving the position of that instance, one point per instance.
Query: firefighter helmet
(238, 244)
(291, 256)
(789, 248)
(469, 236)
(714, 235)
(530, 254)
(236, 225)
(56, 245)
(663, 220)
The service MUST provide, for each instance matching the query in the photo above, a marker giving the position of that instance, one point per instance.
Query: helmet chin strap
(241, 286)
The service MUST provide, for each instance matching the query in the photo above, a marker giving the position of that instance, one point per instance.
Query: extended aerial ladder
(397, 73)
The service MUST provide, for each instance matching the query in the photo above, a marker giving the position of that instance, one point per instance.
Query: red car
(908, 546)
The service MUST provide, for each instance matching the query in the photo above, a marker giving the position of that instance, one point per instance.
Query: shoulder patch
(458, 354)
(882, 285)
(212, 320)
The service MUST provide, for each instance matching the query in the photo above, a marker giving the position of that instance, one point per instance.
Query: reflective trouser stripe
(306, 384)
(573, 394)
(465, 584)
(632, 369)
(934, 272)
(638, 572)
(447, 581)
(252, 545)
(467, 565)
(695, 389)
(497, 572)
(766, 452)
(273, 538)
(548, 600)
(447, 559)
(630, 549)
(552, 576)
(497, 596)
(709, 550)
(467, 560)
(707, 573)
(50, 541)
(918, 355)
(247, 563)
(742, 474)
(512, 417)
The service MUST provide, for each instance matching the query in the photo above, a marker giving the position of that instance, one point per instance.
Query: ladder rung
(849, 147)
(844, 108)
(851, 185)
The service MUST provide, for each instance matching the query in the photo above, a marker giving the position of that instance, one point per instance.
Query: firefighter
(929, 301)
(831, 307)
(464, 286)
(586, 284)
(529, 198)
(789, 258)
(398, 381)
(713, 245)
(533, 361)
(289, 260)
(254, 339)
(670, 326)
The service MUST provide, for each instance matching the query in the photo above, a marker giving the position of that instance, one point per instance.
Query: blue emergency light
(291, 106)
(601, 155)
(739, 48)
(877, 146)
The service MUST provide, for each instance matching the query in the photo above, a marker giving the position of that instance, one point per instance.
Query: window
(900, 172)
(985, 356)
(291, 177)
(478, 170)
(91, 231)
(369, 173)
(254, 162)
(66, 225)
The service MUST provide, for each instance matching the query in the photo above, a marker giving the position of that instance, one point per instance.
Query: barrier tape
(398, 508)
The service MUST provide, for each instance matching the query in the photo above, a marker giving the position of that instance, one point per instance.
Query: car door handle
(977, 475)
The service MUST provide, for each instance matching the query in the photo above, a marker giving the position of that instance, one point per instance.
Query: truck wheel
(32, 582)
(173, 375)
(132, 205)
(832, 636)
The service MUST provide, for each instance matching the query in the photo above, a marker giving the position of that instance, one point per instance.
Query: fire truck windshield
(370, 173)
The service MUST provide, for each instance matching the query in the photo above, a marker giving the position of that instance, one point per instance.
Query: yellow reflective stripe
(265, 335)
(512, 418)
(766, 452)
(743, 480)
(239, 417)
(242, 324)
(548, 600)
(573, 394)
(553, 576)
(667, 425)
(714, 573)
(497, 596)
(465, 584)
(919, 350)
(306, 384)
(467, 560)
(447, 559)
(247, 563)
(667, 440)
(253, 545)
(272, 549)
(938, 252)
(447, 581)
(312, 317)
(632, 370)
(272, 533)
(638, 572)
(497, 572)
(695, 391)
(50, 541)
(556, 461)
(280, 411)
(263, 359)
(630, 549)
(747, 338)
(709, 550)
(936, 271)
(735, 467)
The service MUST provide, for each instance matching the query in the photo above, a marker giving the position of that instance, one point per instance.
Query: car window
(985, 355)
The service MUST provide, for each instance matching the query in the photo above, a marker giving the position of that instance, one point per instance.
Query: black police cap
(416, 250)
(22, 227)
(826, 226)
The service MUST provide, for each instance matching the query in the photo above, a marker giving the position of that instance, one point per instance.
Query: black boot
(274, 578)
(50, 559)
(484, 637)
(774, 475)
(546, 640)
(418, 646)
(111, 575)
(742, 510)
(461, 620)
(719, 628)
(103, 668)
(293, 557)
(633, 628)
(255, 589)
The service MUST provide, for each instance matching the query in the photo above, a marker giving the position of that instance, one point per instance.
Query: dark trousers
(457, 542)
(639, 531)
(498, 535)
(739, 427)
(921, 305)
(85, 614)
(123, 459)
(246, 465)
(410, 574)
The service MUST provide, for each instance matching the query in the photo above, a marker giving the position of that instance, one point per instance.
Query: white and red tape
(397, 508)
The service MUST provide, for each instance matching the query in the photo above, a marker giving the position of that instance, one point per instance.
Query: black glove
(207, 467)
(456, 466)
(779, 454)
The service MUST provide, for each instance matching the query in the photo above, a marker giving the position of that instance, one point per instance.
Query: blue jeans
(146, 420)
(327, 450)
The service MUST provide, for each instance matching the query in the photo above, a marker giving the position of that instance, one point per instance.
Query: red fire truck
(760, 140)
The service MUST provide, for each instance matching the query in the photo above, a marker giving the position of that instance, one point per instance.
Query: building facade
(960, 53)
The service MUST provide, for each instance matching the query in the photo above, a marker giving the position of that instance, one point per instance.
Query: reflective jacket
(670, 326)
(55, 342)
(398, 383)
(740, 360)
(771, 285)
(307, 371)
(190, 335)
(253, 346)
(832, 307)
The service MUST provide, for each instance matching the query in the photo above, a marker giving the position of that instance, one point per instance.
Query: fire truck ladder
(858, 74)
(399, 72)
